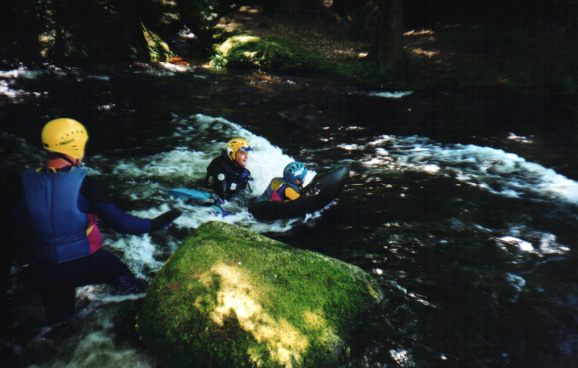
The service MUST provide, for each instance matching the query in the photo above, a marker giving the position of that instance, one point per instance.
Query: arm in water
(103, 206)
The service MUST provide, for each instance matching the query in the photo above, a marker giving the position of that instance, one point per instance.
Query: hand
(165, 219)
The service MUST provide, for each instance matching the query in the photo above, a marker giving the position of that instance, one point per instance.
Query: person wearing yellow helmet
(227, 174)
(66, 139)
(60, 205)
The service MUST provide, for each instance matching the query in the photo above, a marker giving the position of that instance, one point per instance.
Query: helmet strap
(58, 155)
(75, 163)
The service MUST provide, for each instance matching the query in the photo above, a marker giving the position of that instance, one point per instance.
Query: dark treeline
(70, 30)
(531, 42)
(428, 13)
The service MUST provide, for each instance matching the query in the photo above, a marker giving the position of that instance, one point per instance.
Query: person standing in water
(227, 174)
(59, 205)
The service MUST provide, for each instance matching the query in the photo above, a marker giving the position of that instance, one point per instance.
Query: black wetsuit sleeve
(220, 186)
(101, 204)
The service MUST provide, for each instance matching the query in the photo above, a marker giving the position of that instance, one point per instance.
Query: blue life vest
(57, 225)
(272, 194)
(241, 179)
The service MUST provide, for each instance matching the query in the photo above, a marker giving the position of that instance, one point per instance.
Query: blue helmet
(293, 171)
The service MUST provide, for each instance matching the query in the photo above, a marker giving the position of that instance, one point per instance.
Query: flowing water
(463, 207)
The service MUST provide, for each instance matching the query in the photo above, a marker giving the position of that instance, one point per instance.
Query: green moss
(268, 53)
(229, 294)
(277, 53)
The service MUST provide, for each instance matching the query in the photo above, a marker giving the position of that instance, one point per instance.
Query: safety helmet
(235, 145)
(65, 136)
(293, 171)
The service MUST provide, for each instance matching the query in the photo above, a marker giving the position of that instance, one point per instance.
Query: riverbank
(520, 55)
(529, 59)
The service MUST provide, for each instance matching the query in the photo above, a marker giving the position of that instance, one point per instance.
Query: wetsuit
(226, 178)
(280, 190)
(59, 209)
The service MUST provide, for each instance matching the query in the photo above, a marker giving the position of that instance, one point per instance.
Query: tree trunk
(384, 24)
(59, 50)
(390, 46)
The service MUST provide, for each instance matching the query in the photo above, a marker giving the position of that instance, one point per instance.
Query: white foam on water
(520, 139)
(52, 71)
(23, 154)
(195, 141)
(98, 349)
(397, 94)
(491, 169)
(91, 340)
(16, 95)
(175, 68)
(528, 240)
(139, 251)
(519, 243)
(100, 294)
(21, 71)
(402, 357)
(385, 94)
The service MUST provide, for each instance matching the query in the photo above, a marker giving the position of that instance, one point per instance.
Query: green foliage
(231, 295)
(158, 49)
(268, 53)
(201, 17)
(249, 51)
(103, 30)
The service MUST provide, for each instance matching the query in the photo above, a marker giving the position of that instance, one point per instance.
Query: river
(462, 205)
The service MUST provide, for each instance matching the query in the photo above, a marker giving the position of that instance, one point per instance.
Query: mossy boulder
(268, 53)
(250, 51)
(229, 297)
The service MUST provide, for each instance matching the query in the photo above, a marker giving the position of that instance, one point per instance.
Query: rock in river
(230, 297)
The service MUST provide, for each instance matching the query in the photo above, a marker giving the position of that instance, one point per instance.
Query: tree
(103, 30)
(200, 17)
(19, 29)
(383, 23)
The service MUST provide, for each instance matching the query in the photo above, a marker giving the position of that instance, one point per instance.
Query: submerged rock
(229, 297)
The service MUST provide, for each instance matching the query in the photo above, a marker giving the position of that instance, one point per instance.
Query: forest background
(521, 46)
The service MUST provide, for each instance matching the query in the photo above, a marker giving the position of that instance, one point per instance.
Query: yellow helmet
(66, 136)
(234, 145)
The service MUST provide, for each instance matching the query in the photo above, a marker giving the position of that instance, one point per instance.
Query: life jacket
(237, 177)
(58, 227)
(276, 191)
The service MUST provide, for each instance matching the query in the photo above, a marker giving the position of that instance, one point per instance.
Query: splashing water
(472, 244)
(473, 165)
(146, 180)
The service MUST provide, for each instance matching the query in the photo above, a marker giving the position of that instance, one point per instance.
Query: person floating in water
(287, 188)
(59, 205)
(227, 174)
